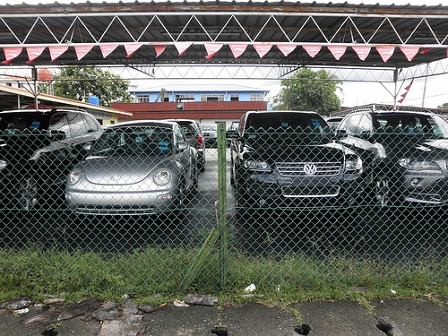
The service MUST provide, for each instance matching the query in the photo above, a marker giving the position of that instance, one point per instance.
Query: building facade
(204, 103)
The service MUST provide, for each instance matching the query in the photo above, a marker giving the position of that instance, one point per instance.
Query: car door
(60, 150)
(84, 131)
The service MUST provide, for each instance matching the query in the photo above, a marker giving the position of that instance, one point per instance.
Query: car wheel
(201, 166)
(28, 193)
(232, 175)
(382, 191)
(180, 202)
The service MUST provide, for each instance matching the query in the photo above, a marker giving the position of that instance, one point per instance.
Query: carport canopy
(219, 39)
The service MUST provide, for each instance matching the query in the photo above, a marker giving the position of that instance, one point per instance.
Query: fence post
(222, 200)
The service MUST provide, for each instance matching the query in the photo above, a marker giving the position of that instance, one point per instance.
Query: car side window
(77, 124)
(241, 125)
(92, 126)
(365, 125)
(60, 123)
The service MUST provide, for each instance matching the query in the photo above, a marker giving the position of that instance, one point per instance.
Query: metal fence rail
(218, 243)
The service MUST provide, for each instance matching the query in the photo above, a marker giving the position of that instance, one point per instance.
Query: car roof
(400, 112)
(137, 123)
(185, 120)
(281, 111)
(42, 111)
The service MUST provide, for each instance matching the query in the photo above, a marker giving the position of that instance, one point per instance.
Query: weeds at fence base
(35, 272)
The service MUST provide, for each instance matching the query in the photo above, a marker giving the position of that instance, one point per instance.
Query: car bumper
(431, 189)
(263, 192)
(138, 203)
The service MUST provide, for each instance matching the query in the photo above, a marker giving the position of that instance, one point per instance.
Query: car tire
(181, 200)
(201, 166)
(28, 193)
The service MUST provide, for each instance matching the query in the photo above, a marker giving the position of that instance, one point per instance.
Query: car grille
(115, 209)
(309, 168)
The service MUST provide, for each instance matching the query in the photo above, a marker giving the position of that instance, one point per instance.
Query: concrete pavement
(392, 317)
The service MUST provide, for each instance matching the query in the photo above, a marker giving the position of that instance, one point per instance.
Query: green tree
(308, 90)
(79, 83)
(444, 105)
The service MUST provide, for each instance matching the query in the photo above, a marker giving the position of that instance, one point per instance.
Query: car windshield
(430, 126)
(140, 141)
(289, 123)
(13, 122)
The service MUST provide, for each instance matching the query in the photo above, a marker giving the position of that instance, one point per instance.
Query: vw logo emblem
(310, 169)
(114, 177)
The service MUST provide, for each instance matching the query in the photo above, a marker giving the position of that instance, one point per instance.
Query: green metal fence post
(222, 199)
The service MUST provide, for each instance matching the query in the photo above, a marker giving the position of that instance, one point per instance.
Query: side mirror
(87, 147)
(181, 146)
(341, 134)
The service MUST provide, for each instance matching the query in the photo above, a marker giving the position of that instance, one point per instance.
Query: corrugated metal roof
(196, 24)
(61, 100)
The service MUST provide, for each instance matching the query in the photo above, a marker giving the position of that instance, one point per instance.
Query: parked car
(37, 150)
(334, 122)
(290, 159)
(195, 138)
(135, 168)
(230, 132)
(405, 152)
(210, 133)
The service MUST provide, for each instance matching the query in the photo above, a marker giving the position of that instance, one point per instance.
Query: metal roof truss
(201, 44)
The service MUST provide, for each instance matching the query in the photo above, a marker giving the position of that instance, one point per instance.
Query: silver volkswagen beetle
(137, 167)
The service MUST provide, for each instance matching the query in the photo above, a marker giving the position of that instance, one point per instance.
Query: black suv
(194, 137)
(290, 159)
(405, 154)
(37, 149)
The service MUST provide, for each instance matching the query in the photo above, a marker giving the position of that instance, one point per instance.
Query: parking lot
(396, 234)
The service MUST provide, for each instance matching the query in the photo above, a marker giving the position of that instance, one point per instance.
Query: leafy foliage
(79, 83)
(308, 90)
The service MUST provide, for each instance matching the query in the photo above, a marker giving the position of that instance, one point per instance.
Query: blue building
(199, 93)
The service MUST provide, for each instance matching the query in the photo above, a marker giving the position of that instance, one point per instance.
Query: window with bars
(142, 98)
(256, 97)
(184, 98)
(212, 97)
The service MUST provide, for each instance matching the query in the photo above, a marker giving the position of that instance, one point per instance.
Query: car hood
(330, 152)
(434, 148)
(418, 146)
(120, 170)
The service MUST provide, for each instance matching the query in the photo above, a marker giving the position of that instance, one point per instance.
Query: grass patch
(280, 280)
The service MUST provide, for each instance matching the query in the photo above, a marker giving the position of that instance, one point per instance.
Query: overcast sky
(431, 92)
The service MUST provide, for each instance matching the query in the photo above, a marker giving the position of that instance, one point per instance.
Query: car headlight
(256, 165)
(74, 177)
(353, 163)
(162, 177)
(419, 165)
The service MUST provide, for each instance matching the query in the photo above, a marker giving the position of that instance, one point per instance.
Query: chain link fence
(225, 238)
